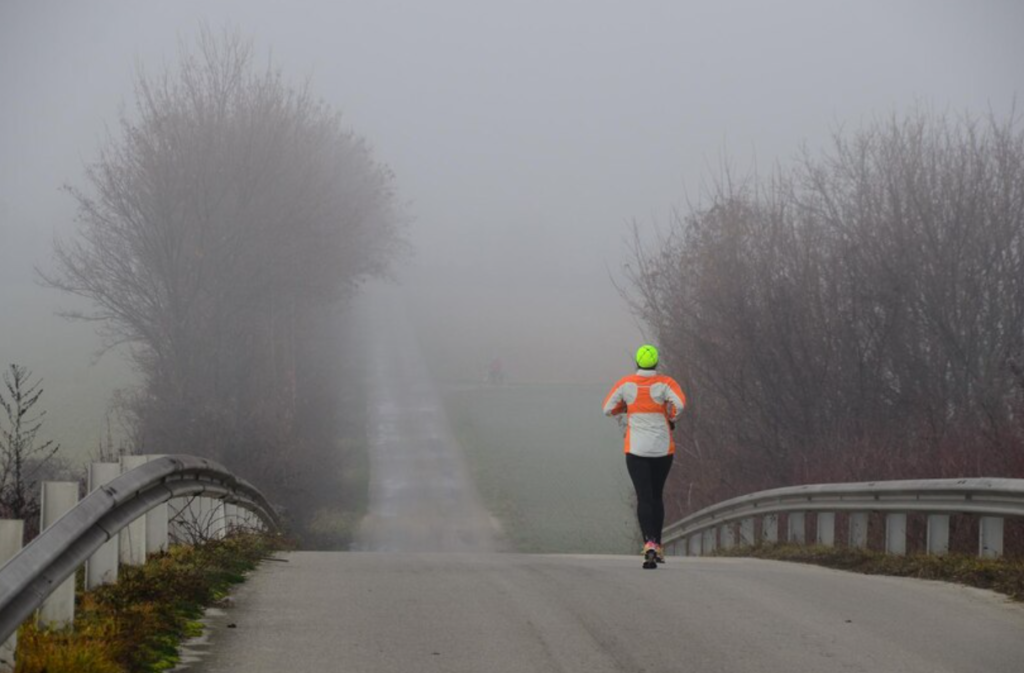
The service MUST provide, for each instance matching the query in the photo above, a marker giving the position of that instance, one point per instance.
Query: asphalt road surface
(487, 613)
(422, 498)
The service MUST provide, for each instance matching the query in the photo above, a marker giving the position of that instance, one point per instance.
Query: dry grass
(136, 624)
(1003, 575)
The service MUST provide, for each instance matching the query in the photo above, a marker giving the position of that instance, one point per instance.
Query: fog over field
(525, 138)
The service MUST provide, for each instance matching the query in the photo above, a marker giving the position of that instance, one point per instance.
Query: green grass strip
(137, 624)
(1002, 575)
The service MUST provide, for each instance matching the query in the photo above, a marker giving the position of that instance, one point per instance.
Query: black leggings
(649, 475)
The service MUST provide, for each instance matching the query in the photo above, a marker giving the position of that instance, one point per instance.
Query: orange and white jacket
(650, 401)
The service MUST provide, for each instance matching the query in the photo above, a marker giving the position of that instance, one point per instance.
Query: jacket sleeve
(613, 403)
(676, 401)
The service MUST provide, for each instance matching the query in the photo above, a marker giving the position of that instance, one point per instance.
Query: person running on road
(652, 402)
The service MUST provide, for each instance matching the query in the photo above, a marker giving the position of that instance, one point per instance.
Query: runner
(651, 402)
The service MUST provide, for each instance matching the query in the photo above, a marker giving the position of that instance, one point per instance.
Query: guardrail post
(156, 523)
(57, 499)
(770, 528)
(990, 537)
(133, 536)
(217, 520)
(859, 530)
(747, 532)
(938, 534)
(231, 518)
(708, 544)
(197, 518)
(152, 529)
(825, 533)
(795, 530)
(728, 534)
(101, 568)
(896, 533)
(205, 519)
(12, 532)
(694, 542)
(182, 518)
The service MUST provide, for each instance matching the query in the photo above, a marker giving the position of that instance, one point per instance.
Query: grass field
(548, 465)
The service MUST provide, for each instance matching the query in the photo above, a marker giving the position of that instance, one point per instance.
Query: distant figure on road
(496, 372)
(651, 402)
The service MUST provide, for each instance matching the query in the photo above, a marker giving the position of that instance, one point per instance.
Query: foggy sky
(524, 136)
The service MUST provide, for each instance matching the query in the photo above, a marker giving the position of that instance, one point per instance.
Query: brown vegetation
(857, 317)
(1003, 575)
(137, 623)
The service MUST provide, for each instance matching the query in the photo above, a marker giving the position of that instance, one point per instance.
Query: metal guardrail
(990, 499)
(30, 576)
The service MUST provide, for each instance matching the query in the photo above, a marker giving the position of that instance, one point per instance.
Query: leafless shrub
(858, 317)
(222, 228)
(24, 460)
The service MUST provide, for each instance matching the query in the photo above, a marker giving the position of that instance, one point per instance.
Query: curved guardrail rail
(991, 499)
(30, 576)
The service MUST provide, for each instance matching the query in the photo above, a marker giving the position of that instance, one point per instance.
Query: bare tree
(860, 316)
(228, 219)
(22, 456)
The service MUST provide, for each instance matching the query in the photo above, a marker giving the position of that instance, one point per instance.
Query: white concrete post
(728, 533)
(826, 529)
(708, 544)
(133, 536)
(220, 519)
(694, 543)
(181, 518)
(990, 537)
(896, 533)
(859, 530)
(207, 517)
(747, 532)
(156, 523)
(938, 534)
(203, 507)
(795, 530)
(770, 528)
(12, 532)
(231, 520)
(101, 568)
(58, 498)
(212, 512)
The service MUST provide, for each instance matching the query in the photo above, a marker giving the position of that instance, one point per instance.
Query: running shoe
(659, 553)
(650, 554)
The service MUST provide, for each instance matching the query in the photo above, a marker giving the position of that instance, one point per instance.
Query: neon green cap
(647, 357)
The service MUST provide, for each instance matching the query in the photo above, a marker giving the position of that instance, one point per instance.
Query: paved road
(489, 613)
(421, 495)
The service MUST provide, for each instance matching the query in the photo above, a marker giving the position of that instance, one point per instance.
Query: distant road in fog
(516, 613)
(422, 498)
